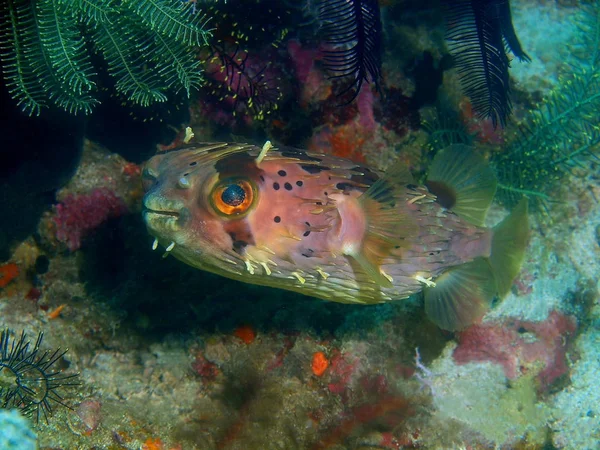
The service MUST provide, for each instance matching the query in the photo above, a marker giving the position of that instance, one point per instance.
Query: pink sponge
(77, 215)
(520, 346)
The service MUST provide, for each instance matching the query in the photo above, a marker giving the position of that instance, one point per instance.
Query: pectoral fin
(387, 228)
(461, 295)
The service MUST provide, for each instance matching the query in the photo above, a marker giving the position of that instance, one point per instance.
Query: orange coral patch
(8, 272)
(320, 363)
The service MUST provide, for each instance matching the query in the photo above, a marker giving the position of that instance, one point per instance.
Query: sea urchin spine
(26, 379)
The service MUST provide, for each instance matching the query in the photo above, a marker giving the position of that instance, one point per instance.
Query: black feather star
(478, 31)
(352, 30)
(26, 379)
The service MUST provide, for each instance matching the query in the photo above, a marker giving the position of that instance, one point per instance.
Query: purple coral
(77, 215)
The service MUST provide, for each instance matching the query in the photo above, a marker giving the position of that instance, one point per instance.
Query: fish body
(330, 228)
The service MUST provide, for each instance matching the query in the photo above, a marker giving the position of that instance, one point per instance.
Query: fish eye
(233, 197)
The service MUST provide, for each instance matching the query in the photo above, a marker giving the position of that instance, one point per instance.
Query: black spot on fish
(240, 234)
(193, 163)
(287, 186)
(238, 246)
(307, 224)
(237, 163)
(313, 169)
(446, 196)
(299, 154)
(299, 183)
(277, 219)
(276, 186)
(308, 253)
(262, 178)
(306, 233)
(185, 174)
(319, 203)
(342, 186)
(282, 173)
(364, 176)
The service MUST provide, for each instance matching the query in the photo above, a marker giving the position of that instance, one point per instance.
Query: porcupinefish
(330, 228)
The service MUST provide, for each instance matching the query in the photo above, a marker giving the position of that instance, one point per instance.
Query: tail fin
(508, 247)
(463, 294)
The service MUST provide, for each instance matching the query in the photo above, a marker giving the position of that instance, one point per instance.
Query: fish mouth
(163, 222)
(148, 211)
(162, 215)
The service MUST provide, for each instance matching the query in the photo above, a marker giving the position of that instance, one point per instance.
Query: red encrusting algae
(520, 346)
(389, 410)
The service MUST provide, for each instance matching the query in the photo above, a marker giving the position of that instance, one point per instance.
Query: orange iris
(233, 197)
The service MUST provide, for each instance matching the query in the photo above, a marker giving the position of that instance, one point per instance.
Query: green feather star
(149, 47)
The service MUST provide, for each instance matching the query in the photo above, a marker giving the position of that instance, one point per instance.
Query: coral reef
(29, 380)
(77, 215)
(171, 357)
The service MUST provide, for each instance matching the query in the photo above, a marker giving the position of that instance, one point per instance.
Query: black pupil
(233, 195)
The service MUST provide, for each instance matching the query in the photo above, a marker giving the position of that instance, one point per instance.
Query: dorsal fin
(463, 182)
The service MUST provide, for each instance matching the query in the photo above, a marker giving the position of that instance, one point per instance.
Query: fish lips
(163, 216)
(161, 221)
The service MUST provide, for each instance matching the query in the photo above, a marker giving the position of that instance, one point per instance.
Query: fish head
(284, 219)
(196, 199)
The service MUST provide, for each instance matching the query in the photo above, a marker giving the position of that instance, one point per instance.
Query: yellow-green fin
(463, 182)
(508, 247)
(461, 295)
(387, 228)
(391, 184)
(372, 269)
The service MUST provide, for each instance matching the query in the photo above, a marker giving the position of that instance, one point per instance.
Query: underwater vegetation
(564, 132)
(553, 138)
(241, 61)
(478, 31)
(148, 47)
(27, 381)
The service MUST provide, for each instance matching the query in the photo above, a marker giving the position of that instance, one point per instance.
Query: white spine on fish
(168, 249)
(426, 281)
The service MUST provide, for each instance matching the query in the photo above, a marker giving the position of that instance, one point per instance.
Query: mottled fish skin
(302, 225)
